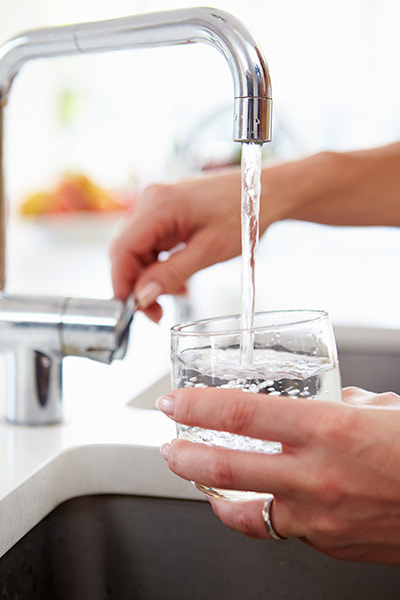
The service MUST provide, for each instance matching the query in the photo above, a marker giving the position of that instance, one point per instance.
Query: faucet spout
(251, 80)
(223, 31)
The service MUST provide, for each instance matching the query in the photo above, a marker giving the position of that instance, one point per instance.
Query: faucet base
(39, 376)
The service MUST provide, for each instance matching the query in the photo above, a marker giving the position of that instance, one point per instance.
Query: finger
(126, 267)
(136, 247)
(263, 416)
(232, 469)
(154, 312)
(246, 518)
(124, 271)
(358, 397)
(203, 249)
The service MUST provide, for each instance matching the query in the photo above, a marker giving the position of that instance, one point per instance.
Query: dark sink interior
(133, 547)
(373, 370)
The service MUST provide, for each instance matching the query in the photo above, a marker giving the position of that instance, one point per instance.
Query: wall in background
(123, 116)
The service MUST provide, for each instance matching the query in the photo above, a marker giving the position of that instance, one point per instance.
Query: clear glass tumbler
(292, 353)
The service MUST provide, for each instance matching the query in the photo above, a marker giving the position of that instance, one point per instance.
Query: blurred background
(120, 121)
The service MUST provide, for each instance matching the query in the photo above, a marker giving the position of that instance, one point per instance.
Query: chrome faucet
(37, 332)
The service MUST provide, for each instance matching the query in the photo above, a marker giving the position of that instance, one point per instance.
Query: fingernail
(165, 448)
(148, 294)
(166, 404)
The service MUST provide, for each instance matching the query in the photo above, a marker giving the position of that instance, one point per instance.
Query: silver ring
(266, 513)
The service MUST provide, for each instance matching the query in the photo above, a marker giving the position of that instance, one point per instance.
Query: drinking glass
(286, 353)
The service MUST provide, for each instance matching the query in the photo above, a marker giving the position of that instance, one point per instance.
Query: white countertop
(108, 442)
(112, 449)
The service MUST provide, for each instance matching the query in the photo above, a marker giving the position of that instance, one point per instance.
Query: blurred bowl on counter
(76, 207)
(74, 193)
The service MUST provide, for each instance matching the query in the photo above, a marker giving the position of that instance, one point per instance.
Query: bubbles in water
(277, 373)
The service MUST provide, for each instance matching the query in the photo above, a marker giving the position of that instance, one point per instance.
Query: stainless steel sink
(369, 357)
(133, 547)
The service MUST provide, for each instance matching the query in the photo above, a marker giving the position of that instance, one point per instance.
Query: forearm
(349, 188)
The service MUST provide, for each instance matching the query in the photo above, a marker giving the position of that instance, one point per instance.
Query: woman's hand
(336, 483)
(197, 219)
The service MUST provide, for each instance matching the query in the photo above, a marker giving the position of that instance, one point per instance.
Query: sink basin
(369, 358)
(123, 547)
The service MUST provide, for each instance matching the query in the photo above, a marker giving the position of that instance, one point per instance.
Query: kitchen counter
(114, 449)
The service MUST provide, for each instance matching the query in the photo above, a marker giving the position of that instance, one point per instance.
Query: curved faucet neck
(220, 29)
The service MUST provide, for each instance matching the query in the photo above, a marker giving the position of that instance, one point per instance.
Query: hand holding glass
(292, 353)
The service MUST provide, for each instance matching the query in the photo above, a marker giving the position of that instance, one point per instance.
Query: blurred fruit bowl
(74, 194)
(76, 208)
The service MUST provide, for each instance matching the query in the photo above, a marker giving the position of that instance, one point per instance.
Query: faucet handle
(96, 329)
(37, 332)
(124, 323)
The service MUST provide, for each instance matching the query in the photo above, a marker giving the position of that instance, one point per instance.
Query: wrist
(348, 188)
(327, 187)
(286, 188)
